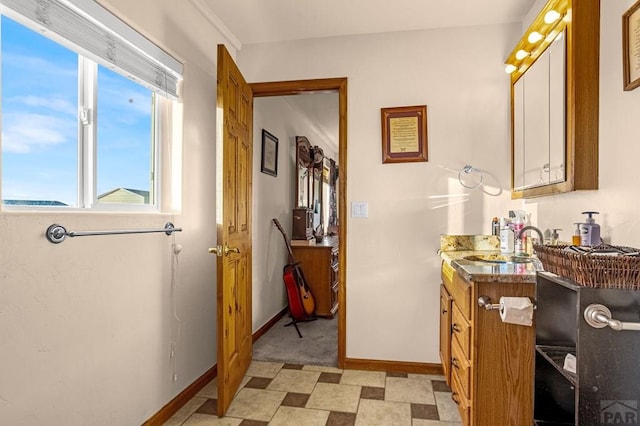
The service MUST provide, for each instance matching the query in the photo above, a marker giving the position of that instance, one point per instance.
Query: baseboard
(393, 366)
(262, 330)
(185, 396)
(182, 398)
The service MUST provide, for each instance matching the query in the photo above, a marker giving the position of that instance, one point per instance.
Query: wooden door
(233, 218)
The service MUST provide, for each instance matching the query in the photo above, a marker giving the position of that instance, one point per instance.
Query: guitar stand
(294, 322)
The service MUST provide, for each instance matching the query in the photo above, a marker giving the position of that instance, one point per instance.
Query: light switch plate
(360, 209)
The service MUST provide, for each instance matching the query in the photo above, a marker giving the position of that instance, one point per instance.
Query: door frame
(326, 85)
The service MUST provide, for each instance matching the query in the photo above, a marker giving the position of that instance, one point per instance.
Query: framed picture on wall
(269, 163)
(631, 46)
(404, 134)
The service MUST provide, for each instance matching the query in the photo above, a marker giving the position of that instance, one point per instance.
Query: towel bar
(57, 233)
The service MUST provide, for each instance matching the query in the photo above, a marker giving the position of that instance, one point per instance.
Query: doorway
(339, 86)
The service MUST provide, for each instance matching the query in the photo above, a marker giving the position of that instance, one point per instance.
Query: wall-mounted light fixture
(544, 29)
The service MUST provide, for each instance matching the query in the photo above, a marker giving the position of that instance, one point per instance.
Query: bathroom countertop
(453, 249)
(472, 270)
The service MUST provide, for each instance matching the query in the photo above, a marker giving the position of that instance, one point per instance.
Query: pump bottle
(589, 231)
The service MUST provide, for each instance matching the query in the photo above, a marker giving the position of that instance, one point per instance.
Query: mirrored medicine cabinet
(554, 101)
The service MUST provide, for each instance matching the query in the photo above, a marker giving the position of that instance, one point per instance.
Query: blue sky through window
(40, 122)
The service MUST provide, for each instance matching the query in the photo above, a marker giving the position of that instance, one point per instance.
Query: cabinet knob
(455, 327)
(454, 396)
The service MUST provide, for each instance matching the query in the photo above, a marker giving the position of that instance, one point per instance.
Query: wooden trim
(262, 330)
(295, 87)
(394, 366)
(182, 398)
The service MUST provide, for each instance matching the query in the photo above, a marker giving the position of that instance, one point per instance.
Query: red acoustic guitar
(301, 302)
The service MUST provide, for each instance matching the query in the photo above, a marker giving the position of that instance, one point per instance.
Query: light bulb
(521, 54)
(510, 68)
(551, 16)
(534, 37)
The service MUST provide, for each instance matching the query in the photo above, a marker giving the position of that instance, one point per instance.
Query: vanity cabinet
(604, 389)
(320, 266)
(488, 363)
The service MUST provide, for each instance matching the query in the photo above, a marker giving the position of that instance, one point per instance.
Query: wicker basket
(621, 272)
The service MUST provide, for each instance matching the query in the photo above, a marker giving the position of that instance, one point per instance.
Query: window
(77, 130)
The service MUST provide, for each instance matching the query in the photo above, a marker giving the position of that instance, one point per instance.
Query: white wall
(618, 158)
(285, 118)
(392, 266)
(86, 325)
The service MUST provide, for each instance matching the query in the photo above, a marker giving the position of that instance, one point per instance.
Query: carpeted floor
(318, 346)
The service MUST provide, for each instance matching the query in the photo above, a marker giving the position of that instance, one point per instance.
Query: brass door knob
(228, 250)
(217, 250)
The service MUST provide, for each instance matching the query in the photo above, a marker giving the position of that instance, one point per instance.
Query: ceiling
(257, 21)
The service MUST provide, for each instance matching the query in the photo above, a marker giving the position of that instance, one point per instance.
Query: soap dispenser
(589, 231)
(576, 235)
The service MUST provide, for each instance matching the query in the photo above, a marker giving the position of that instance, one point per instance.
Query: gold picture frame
(404, 134)
(631, 46)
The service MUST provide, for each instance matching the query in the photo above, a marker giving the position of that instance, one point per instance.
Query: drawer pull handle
(455, 327)
(444, 311)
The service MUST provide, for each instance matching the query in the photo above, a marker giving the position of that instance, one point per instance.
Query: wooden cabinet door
(445, 332)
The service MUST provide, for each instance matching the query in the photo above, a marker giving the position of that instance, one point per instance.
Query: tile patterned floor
(290, 394)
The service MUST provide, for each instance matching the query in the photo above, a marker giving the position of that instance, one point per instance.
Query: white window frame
(125, 38)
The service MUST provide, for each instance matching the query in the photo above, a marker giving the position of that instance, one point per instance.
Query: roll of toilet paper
(516, 310)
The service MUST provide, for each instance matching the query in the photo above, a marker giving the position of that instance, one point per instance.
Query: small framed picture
(269, 164)
(631, 46)
(404, 134)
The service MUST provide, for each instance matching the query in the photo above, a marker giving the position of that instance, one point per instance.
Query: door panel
(233, 201)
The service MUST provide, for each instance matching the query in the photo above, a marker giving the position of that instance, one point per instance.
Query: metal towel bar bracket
(57, 233)
(599, 316)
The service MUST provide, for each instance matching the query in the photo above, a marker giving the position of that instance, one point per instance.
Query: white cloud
(25, 133)
(55, 104)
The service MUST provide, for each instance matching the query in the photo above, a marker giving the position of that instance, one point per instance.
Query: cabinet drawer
(464, 405)
(461, 292)
(461, 330)
(461, 367)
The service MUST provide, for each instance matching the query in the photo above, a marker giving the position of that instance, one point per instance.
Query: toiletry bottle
(555, 236)
(520, 244)
(506, 236)
(575, 240)
(495, 226)
(589, 231)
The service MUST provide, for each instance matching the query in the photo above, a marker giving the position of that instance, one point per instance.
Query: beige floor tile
(414, 390)
(264, 369)
(255, 404)
(335, 397)
(422, 422)
(298, 381)
(207, 419)
(291, 416)
(322, 369)
(426, 376)
(183, 413)
(363, 378)
(447, 409)
(210, 390)
(383, 413)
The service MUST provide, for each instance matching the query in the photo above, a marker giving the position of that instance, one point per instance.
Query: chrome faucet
(532, 228)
